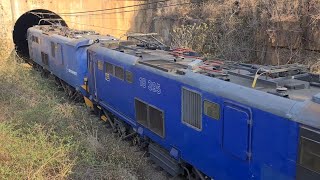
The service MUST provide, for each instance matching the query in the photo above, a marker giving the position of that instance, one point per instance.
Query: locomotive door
(237, 131)
(30, 42)
(59, 59)
(92, 74)
(33, 47)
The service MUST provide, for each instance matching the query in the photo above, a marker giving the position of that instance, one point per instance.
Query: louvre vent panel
(191, 108)
(156, 121)
(150, 117)
(141, 112)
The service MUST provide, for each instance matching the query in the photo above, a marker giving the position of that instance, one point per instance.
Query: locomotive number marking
(143, 82)
(72, 72)
(152, 86)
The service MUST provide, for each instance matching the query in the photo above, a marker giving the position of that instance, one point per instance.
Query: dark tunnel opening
(26, 21)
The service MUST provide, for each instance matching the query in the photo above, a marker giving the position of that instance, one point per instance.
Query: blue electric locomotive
(198, 118)
(62, 52)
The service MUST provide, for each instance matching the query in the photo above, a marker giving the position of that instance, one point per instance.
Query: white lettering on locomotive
(152, 86)
(72, 72)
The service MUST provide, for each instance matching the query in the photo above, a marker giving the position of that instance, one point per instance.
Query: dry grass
(43, 135)
(316, 67)
(239, 31)
(190, 36)
(28, 148)
(218, 29)
(33, 154)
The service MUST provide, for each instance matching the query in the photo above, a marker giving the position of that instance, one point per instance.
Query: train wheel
(96, 110)
(35, 66)
(197, 175)
(69, 91)
(44, 73)
(58, 83)
(136, 141)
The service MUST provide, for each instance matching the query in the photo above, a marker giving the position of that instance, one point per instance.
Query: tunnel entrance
(28, 20)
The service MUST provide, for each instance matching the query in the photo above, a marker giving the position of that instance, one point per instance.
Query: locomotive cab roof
(293, 81)
(287, 91)
(73, 37)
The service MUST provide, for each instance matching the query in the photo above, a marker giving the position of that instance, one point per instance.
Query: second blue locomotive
(193, 123)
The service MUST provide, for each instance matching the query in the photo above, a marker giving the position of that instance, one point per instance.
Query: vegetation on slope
(43, 135)
(260, 31)
(32, 155)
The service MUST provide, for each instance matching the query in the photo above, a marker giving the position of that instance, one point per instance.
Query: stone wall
(109, 23)
(295, 38)
(6, 26)
(281, 34)
(115, 22)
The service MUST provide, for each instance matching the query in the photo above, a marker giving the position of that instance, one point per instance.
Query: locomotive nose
(26, 21)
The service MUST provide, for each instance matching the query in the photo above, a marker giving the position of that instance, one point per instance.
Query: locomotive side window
(129, 76)
(109, 68)
(308, 163)
(150, 117)
(211, 109)
(100, 65)
(119, 72)
(191, 108)
(310, 154)
(35, 39)
(53, 49)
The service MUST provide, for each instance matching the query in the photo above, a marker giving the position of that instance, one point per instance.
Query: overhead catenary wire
(97, 26)
(110, 9)
(104, 18)
(126, 11)
(171, 5)
(72, 14)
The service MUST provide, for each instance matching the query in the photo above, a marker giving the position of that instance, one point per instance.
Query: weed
(32, 154)
(44, 135)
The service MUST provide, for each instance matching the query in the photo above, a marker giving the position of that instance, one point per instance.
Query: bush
(190, 36)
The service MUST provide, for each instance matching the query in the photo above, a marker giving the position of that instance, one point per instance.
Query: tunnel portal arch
(26, 21)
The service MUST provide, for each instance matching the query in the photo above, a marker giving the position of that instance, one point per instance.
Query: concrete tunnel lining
(26, 21)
